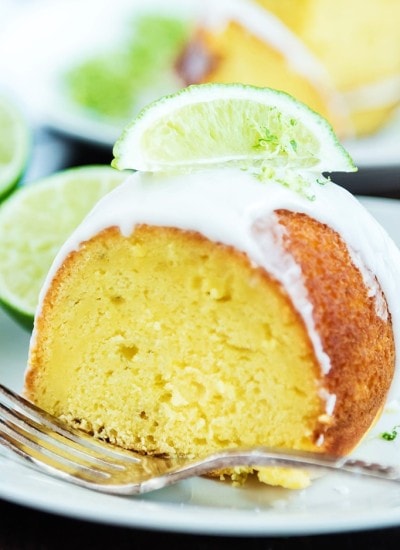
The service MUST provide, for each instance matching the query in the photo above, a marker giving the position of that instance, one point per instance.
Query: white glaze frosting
(229, 205)
(374, 95)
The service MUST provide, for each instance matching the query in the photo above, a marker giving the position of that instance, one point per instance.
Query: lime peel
(15, 145)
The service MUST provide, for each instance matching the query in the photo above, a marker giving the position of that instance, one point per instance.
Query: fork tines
(43, 440)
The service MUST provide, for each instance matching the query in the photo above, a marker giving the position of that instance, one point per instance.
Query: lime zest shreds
(298, 181)
(34, 222)
(267, 139)
(286, 141)
(391, 436)
(211, 125)
(15, 145)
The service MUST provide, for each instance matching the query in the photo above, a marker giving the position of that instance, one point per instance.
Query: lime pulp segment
(214, 124)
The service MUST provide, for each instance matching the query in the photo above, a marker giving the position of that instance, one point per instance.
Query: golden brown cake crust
(359, 343)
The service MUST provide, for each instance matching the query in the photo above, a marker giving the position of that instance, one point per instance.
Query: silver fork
(45, 443)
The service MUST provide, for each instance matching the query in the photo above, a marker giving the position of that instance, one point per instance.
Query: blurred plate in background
(43, 39)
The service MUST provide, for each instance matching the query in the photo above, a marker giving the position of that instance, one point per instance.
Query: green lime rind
(22, 318)
(35, 221)
(217, 124)
(15, 146)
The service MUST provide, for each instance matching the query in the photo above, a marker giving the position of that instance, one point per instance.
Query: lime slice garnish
(218, 124)
(35, 221)
(15, 142)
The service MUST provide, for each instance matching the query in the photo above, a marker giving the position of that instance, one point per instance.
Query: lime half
(217, 124)
(35, 221)
(15, 143)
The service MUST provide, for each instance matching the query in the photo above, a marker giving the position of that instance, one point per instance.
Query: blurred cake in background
(341, 58)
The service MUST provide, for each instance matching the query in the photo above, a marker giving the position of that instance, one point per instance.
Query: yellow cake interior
(214, 352)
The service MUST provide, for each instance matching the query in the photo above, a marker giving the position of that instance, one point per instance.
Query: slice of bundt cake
(341, 58)
(202, 309)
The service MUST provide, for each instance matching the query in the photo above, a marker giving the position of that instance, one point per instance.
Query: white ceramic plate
(45, 36)
(334, 503)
